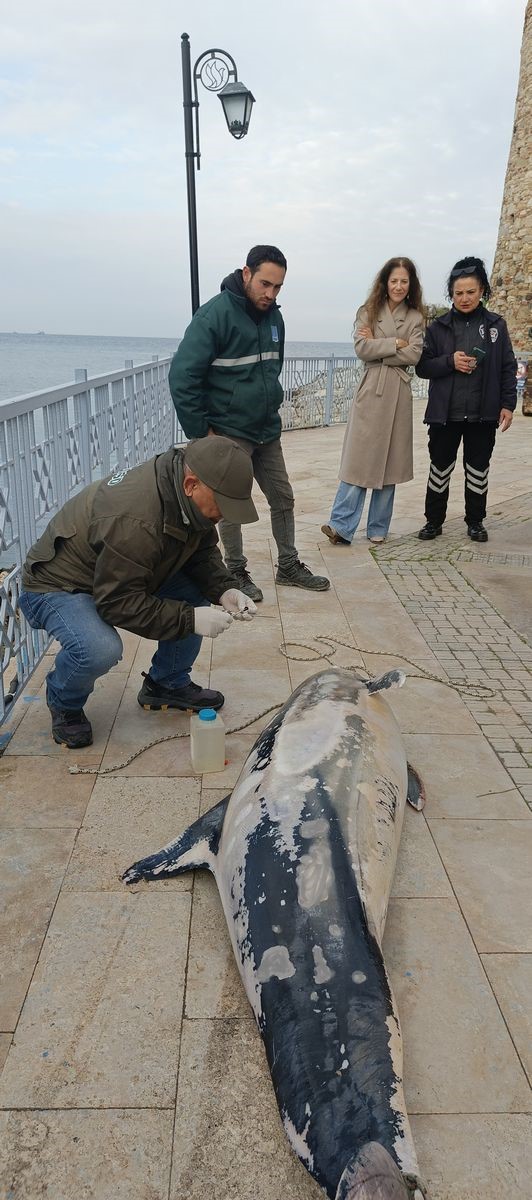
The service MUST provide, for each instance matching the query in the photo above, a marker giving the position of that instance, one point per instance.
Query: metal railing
(53, 443)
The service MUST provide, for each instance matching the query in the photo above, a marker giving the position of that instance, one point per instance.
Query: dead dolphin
(304, 852)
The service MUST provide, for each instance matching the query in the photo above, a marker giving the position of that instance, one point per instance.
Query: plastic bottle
(207, 741)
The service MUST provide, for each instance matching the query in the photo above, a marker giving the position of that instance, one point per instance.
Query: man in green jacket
(139, 550)
(224, 379)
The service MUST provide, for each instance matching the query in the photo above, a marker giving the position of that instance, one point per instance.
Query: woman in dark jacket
(468, 357)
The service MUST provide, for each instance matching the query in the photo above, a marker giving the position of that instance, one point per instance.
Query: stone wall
(512, 269)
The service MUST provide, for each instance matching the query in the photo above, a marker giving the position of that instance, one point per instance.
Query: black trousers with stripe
(478, 439)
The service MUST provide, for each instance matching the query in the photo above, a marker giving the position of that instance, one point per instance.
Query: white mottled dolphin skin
(304, 852)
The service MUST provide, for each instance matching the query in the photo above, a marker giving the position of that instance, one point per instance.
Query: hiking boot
(192, 697)
(429, 532)
(300, 576)
(333, 536)
(71, 728)
(477, 533)
(246, 585)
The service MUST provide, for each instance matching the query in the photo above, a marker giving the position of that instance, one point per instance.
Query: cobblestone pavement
(477, 650)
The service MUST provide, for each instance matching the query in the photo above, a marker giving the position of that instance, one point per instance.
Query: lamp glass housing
(237, 103)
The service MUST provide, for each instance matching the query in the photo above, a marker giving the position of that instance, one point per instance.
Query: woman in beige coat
(377, 451)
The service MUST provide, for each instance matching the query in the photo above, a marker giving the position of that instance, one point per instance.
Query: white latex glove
(209, 622)
(238, 604)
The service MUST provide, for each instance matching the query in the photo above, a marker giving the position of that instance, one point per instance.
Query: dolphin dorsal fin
(196, 847)
(392, 679)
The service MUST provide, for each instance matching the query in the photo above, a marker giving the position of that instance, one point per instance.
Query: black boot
(301, 576)
(190, 697)
(429, 532)
(477, 533)
(71, 728)
(247, 586)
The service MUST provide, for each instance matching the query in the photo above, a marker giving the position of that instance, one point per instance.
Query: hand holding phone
(478, 353)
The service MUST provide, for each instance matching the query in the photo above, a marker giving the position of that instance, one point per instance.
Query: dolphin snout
(373, 1175)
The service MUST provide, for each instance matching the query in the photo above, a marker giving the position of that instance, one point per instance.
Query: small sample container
(207, 741)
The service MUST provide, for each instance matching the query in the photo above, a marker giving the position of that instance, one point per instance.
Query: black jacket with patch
(499, 388)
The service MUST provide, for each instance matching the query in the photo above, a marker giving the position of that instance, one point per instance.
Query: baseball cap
(226, 469)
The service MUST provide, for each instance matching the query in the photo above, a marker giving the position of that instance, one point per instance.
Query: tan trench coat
(377, 446)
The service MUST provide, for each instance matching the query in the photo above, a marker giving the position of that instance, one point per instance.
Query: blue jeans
(90, 647)
(348, 505)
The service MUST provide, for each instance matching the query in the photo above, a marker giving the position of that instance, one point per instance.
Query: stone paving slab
(382, 626)
(419, 871)
(424, 707)
(5, 1042)
(463, 777)
(109, 1155)
(475, 1157)
(34, 862)
(458, 1055)
(245, 638)
(510, 976)
(101, 1022)
(124, 817)
(214, 988)
(263, 687)
(488, 864)
(39, 793)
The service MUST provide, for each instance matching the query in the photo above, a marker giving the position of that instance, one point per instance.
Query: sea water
(31, 362)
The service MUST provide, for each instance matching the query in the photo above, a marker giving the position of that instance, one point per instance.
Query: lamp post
(216, 70)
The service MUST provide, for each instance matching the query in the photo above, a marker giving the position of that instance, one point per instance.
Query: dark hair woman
(377, 451)
(469, 360)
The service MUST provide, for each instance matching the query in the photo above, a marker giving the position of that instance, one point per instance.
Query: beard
(260, 305)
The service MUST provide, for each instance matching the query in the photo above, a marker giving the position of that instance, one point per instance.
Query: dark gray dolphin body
(304, 852)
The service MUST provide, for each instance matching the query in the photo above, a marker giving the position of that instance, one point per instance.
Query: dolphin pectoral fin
(416, 791)
(372, 1175)
(392, 679)
(196, 847)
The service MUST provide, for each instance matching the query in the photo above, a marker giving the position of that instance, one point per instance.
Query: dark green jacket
(225, 373)
(119, 540)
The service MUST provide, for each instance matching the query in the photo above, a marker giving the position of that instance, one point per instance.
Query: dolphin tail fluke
(373, 1175)
(196, 847)
(416, 791)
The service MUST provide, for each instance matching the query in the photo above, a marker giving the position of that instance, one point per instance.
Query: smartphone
(478, 353)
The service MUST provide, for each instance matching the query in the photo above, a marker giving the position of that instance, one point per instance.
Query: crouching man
(139, 550)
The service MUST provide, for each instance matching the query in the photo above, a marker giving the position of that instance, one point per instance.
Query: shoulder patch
(494, 333)
(118, 477)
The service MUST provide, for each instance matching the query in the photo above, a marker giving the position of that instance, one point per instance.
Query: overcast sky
(380, 127)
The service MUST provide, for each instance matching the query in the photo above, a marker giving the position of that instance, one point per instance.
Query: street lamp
(216, 70)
